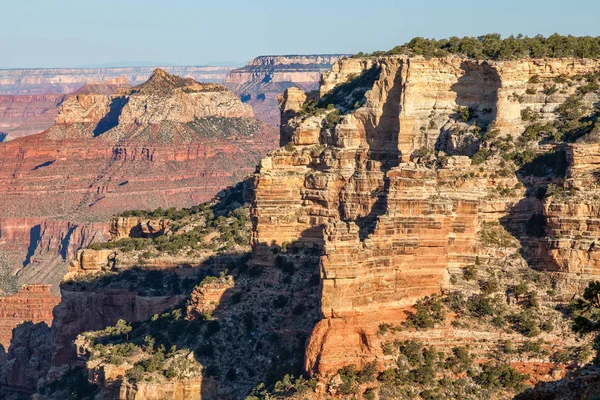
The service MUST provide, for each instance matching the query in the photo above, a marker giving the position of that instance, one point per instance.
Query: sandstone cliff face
(573, 216)
(390, 228)
(90, 103)
(265, 78)
(137, 227)
(301, 69)
(178, 390)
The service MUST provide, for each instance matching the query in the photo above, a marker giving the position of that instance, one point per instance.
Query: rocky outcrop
(355, 185)
(205, 298)
(90, 103)
(264, 78)
(81, 311)
(137, 227)
(178, 390)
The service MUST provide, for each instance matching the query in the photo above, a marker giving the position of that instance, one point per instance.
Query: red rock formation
(171, 142)
(32, 303)
(89, 311)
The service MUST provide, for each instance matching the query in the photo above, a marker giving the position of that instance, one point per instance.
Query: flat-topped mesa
(293, 68)
(352, 180)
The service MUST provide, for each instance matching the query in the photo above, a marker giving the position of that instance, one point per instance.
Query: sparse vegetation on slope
(494, 47)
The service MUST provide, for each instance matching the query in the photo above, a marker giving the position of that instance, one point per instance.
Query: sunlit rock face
(390, 227)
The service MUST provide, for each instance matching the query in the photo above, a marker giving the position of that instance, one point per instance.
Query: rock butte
(29, 99)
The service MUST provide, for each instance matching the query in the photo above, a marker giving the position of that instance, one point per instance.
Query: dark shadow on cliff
(478, 107)
(3, 136)
(35, 234)
(268, 316)
(526, 220)
(111, 119)
(252, 326)
(43, 165)
(579, 384)
(257, 332)
(30, 349)
(351, 95)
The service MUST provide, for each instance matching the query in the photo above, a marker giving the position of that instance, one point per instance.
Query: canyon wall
(29, 98)
(390, 226)
(382, 186)
(32, 303)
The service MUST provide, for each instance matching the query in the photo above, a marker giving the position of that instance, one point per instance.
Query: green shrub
(290, 147)
(470, 272)
(497, 375)
(332, 119)
(493, 46)
(428, 312)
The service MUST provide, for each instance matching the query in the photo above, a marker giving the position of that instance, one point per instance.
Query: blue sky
(66, 33)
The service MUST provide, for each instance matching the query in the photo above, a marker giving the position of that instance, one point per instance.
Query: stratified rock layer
(390, 228)
(32, 303)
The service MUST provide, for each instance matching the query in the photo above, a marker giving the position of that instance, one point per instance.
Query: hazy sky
(65, 33)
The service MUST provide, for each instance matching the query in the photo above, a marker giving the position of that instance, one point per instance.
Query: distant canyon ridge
(29, 98)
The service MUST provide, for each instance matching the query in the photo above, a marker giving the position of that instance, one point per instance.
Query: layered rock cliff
(24, 115)
(358, 180)
(32, 303)
(169, 142)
